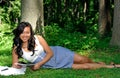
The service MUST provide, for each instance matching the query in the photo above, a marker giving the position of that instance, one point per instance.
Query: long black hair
(18, 42)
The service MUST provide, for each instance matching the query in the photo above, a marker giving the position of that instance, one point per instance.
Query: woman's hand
(15, 65)
(36, 66)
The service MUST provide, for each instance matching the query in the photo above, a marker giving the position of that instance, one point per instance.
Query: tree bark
(104, 17)
(32, 12)
(115, 40)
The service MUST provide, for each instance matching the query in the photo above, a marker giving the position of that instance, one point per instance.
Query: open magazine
(26, 64)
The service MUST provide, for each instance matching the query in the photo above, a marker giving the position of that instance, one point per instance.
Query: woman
(36, 50)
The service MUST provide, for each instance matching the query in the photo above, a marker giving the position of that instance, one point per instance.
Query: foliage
(71, 15)
(10, 12)
(9, 16)
(73, 40)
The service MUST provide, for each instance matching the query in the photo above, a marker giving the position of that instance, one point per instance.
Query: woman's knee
(81, 59)
(77, 58)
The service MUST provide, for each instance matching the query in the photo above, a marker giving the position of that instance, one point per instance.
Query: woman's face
(25, 35)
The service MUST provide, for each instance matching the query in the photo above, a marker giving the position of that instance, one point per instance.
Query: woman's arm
(48, 51)
(15, 59)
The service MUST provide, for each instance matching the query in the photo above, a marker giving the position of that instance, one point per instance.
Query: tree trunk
(115, 40)
(104, 17)
(32, 12)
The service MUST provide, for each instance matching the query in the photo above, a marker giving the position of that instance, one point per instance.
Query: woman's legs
(82, 62)
(92, 66)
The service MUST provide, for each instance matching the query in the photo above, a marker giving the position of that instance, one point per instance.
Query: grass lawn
(69, 73)
(98, 55)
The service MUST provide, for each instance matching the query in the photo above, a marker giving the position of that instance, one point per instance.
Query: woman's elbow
(52, 54)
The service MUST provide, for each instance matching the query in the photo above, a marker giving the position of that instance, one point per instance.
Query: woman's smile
(25, 35)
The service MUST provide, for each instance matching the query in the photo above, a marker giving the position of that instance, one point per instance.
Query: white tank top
(38, 50)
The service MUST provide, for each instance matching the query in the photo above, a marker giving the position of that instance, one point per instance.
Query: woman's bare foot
(113, 66)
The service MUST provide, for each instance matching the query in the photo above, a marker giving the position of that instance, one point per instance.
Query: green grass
(69, 73)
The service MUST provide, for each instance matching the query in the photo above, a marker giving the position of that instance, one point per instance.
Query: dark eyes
(26, 33)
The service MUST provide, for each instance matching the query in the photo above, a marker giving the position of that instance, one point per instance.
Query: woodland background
(88, 27)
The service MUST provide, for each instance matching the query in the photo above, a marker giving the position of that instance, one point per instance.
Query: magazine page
(25, 64)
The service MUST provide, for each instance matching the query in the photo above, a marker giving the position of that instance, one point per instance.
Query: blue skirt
(63, 58)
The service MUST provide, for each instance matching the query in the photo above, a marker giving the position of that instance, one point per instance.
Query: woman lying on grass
(35, 49)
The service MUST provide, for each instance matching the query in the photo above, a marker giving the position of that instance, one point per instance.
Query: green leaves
(75, 40)
(10, 14)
